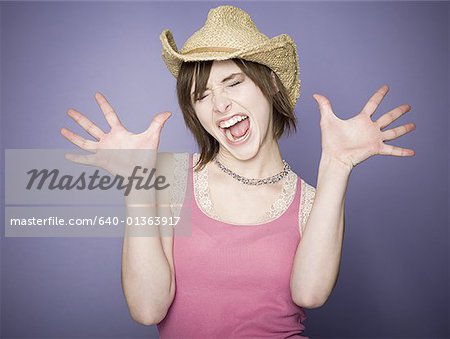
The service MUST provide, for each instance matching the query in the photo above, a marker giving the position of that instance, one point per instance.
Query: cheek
(262, 109)
(255, 98)
(265, 121)
(205, 120)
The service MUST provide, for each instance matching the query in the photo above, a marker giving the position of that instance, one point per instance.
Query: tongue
(239, 129)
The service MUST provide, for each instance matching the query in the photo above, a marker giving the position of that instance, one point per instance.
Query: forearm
(146, 273)
(316, 262)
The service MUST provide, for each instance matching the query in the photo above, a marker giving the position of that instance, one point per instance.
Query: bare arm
(345, 143)
(147, 273)
(316, 262)
(147, 270)
(148, 276)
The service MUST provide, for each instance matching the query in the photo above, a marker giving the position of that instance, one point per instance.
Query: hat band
(211, 49)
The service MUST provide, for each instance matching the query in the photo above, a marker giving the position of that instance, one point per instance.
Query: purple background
(394, 274)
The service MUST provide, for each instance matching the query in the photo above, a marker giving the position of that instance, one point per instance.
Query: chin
(246, 152)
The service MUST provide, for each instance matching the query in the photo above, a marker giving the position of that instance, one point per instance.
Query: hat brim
(278, 53)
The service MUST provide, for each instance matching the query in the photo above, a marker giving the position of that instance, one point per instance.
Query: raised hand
(352, 141)
(106, 149)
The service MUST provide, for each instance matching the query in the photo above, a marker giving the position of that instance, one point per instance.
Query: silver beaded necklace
(270, 180)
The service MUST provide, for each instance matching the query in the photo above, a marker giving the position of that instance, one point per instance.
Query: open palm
(354, 140)
(119, 150)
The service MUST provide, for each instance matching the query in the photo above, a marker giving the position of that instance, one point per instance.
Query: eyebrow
(231, 76)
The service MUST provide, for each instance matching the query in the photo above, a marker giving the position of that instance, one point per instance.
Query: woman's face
(234, 111)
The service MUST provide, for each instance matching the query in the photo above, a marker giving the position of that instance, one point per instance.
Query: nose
(221, 101)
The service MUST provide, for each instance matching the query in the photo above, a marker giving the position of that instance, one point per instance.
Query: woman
(264, 243)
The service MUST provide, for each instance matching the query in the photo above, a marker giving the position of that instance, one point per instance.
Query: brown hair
(283, 118)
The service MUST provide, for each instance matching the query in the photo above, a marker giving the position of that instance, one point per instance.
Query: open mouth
(236, 128)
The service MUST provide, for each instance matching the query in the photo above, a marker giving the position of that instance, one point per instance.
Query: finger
(389, 117)
(108, 111)
(87, 125)
(396, 151)
(375, 100)
(81, 159)
(398, 131)
(157, 124)
(84, 144)
(324, 105)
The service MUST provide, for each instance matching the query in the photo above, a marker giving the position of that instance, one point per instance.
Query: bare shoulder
(308, 193)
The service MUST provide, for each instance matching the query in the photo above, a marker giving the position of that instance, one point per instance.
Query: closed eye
(202, 97)
(232, 85)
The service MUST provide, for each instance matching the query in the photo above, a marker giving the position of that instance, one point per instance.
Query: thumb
(324, 105)
(157, 123)
(154, 130)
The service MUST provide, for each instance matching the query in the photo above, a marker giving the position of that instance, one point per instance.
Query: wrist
(332, 180)
(334, 165)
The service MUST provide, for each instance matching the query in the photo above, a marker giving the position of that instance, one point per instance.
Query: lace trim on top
(306, 202)
(201, 191)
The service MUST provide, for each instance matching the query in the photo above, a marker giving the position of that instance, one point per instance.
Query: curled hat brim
(278, 53)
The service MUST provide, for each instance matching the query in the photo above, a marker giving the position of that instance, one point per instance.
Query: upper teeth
(232, 121)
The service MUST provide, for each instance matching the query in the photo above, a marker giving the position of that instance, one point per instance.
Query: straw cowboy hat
(228, 33)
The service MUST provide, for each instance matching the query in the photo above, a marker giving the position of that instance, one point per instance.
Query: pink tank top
(233, 281)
